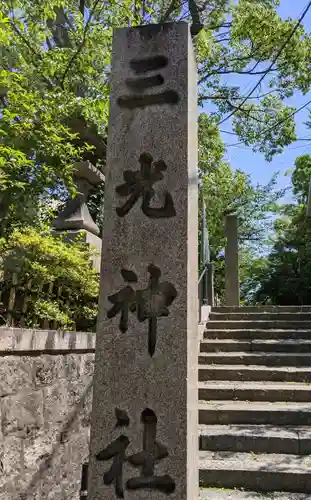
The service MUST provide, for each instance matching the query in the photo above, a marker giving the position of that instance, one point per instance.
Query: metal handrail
(206, 279)
(206, 287)
(202, 275)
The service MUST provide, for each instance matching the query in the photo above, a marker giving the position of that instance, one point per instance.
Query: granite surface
(149, 253)
(45, 405)
(223, 494)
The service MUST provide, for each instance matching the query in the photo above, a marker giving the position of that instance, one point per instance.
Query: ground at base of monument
(225, 494)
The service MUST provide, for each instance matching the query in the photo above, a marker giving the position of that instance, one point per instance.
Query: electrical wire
(271, 65)
(279, 122)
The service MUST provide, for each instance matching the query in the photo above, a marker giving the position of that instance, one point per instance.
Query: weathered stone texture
(22, 413)
(14, 370)
(45, 404)
(146, 364)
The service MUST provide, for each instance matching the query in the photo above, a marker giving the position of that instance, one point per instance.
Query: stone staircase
(255, 403)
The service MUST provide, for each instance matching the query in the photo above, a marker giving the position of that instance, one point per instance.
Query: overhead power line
(227, 132)
(279, 122)
(239, 107)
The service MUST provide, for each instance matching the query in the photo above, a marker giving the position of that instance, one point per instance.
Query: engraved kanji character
(152, 302)
(138, 85)
(116, 450)
(149, 303)
(124, 300)
(152, 451)
(139, 184)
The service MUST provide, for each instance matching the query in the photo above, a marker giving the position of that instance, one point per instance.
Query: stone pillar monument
(232, 284)
(144, 441)
(76, 219)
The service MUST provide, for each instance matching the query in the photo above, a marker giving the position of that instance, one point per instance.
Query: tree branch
(49, 82)
(76, 54)
(278, 54)
(223, 33)
(48, 42)
(224, 98)
(197, 24)
(229, 71)
(62, 13)
(217, 27)
(246, 112)
(221, 40)
(81, 7)
(169, 11)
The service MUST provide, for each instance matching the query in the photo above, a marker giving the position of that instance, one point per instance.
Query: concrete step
(228, 345)
(260, 316)
(268, 345)
(258, 324)
(252, 373)
(261, 309)
(254, 413)
(263, 472)
(256, 439)
(257, 333)
(283, 345)
(255, 358)
(254, 391)
(234, 494)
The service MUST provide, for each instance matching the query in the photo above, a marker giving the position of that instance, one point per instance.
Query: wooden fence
(17, 297)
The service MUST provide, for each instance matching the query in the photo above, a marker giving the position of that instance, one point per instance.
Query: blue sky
(254, 163)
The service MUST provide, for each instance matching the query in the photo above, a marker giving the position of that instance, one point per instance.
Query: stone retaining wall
(45, 403)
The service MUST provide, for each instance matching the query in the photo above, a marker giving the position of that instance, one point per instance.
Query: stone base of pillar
(84, 237)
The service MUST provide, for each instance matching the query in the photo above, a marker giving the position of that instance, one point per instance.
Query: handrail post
(210, 284)
(206, 280)
(200, 299)
(84, 481)
(204, 286)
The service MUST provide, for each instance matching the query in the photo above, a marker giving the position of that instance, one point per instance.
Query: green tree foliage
(301, 178)
(225, 191)
(287, 280)
(55, 67)
(39, 261)
(55, 58)
(287, 271)
(253, 270)
(249, 38)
